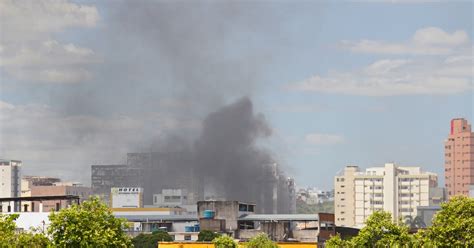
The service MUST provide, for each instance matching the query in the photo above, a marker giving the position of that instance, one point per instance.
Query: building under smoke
(224, 163)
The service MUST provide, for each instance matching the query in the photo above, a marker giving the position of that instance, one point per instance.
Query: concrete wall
(306, 235)
(185, 236)
(226, 210)
(215, 225)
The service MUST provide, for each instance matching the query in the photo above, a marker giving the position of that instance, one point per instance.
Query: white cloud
(450, 72)
(426, 41)
(394, 77)
(324, 139)
(437, 36)
(385, 66)
(28, 51)
(28, 20)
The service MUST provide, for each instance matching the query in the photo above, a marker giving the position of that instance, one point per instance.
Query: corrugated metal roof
(152, 218)
(280, 217)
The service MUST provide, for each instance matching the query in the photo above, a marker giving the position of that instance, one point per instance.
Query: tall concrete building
(395, 189)
(459, 158)
(10, 183)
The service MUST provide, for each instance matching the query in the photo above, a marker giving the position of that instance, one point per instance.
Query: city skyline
(338, 83)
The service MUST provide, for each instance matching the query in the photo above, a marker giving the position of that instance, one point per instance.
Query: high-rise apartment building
(10, 181)
(459, 158)
(395, 189)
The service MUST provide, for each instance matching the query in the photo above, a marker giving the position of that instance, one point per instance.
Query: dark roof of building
(280, 217)
(40, 198)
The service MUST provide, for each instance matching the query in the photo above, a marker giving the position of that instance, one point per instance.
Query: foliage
(32, 240)
(161, 235)
(23, 239)
(261, 241)
(453, 225)
(304, 208)
(224, 241)
(379, 231)
(7, 228)
(90, 224)
(151, 240)
(206, 235)
(337, 242)
(414, 223)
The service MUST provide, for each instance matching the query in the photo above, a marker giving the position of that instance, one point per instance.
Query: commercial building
(58, 189)
(395, 189)
(459, 158)
(105, 177)
(10, 183)
(126, 197)
(239, 220)
(180, 198)
(157, 171)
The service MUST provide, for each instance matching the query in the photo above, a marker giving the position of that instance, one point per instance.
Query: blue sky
(340, 83)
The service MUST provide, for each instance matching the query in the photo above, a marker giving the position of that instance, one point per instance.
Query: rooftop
(280, 217)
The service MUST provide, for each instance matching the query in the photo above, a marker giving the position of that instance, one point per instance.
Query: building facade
(459, 158)
(395, 189)
(105, 177)
(58, 189)
(126, 197)
(10, 182)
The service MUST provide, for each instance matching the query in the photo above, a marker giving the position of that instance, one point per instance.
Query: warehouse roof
(158, 218)
(280, 217)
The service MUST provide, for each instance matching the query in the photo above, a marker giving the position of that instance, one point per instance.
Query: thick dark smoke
(226, 151)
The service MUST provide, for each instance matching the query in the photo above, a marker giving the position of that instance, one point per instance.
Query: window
(187, 237)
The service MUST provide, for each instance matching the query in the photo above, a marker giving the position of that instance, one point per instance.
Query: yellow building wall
(210, 245)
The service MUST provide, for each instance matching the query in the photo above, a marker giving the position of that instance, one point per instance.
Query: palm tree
(414, 223)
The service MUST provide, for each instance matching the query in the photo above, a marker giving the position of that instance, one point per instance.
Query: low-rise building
(64, 188)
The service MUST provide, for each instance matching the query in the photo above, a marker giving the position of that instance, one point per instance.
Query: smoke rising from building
(226, 151)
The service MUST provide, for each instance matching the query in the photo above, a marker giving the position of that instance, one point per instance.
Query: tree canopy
(10, 238)
(90, 224)
(224, 241)
(151, 240)
(206, 235)
(261, 241)
(453, 226)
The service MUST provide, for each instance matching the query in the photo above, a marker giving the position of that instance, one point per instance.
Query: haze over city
(329, 84)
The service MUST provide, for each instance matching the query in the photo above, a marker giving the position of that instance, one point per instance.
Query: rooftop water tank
(208, 214)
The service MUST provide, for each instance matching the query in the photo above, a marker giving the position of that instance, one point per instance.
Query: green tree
(453, 225)
(261, 241)
(151, 240)
(337, 242)
(7, 228)
(32, 240)
(224, 241)
(206, 235)
(381, 231)
(90, 224)
(414, 223)
(10, 238)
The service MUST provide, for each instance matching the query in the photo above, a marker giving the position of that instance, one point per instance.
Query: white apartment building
(10, 183)
(395, 189)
